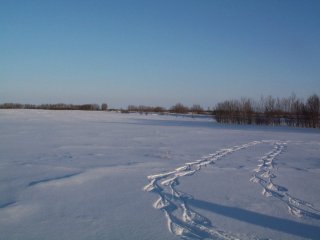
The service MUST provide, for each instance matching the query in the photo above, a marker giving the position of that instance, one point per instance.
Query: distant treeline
(57, 106)
(177, 108)
(290, 111)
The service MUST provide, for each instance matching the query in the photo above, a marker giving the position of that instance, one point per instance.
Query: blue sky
(157, 52)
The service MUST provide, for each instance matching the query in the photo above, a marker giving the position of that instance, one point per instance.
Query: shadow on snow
(274, 223)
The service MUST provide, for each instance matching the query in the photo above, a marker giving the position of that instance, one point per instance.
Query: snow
(101, 175)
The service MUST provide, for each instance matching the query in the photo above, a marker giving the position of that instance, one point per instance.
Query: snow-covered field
(97, 175)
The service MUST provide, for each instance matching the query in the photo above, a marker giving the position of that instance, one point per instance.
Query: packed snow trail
(265, 175)
(182, 220)
(186, 223)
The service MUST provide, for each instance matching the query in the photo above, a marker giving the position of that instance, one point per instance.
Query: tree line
(57, 106)
(290, 111)
(177, 108)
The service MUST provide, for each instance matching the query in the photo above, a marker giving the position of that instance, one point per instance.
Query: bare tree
(196, 109)
(104, 107)
(313, 109)
(179, 108)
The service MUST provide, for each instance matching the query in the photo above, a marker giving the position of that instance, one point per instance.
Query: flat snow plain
(100, 175)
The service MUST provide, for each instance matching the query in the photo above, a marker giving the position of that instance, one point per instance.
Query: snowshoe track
(186, 223)
(265, 175)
